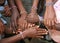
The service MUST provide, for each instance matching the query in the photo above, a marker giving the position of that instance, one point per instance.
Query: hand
(7, 10)
(22, 23)
(49, 18)
(34, 32)
(2, 2)
(2, 27)
(33, 17)
(55, 35)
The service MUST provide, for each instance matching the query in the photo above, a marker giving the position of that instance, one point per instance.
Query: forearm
(50, 7)
(13, 7)
(13, 39)
(35, 4)
(14, 11)
(20, 5)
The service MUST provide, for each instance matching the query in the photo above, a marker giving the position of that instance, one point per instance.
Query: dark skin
(1, 26)
(29, 32)
(7, 10)
(22, 22)
(14, 12)
(33, 16)
(24, 13)
(26, 33)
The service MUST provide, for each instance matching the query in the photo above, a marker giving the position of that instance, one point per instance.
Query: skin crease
(7, 11)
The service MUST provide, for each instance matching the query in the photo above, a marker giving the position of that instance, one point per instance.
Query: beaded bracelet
(35, 8)
(23, 12)
(49, 4)
(14, 6)
(21, 33)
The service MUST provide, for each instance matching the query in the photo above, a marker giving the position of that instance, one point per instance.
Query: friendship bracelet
(21, 33)
(49, 4)
(22, 12)
(35, 8)
(14, 7)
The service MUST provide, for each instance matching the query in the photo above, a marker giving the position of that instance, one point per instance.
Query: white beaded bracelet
(14, 6)
(49, 4)
(35, 8)
(21, 33)
(22, 12)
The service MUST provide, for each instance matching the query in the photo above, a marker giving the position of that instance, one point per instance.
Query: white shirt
(57, 10)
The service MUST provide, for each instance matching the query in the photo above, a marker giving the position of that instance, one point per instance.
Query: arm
(34, 6)
(34, 32)
(14, 11)
(21, 8)
(50, 16)
(33, 17)
(22, 20)
(13, 39)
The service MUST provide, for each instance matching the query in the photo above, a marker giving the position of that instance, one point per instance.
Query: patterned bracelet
(49, 4)
(14, 6)
(21, 33)
(35, 8)
(21, 12)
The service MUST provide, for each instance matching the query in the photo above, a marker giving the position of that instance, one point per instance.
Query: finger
(39, 36)
(13, 32)
(45, 21)
(41, 33)
(23, 26)
(56, 21)
(19, 30)
(52, 23)
(36, 26)
(41, 29)
(33, 25)
(26, 24)
(49, 23)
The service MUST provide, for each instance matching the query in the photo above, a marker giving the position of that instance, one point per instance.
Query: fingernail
(42, 37)
(33, 24)
(37, 26)
(46, 32)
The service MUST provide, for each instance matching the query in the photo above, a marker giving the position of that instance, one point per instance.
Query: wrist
(33, 9)
(24, 34)
(49, 1)
(23, 14)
